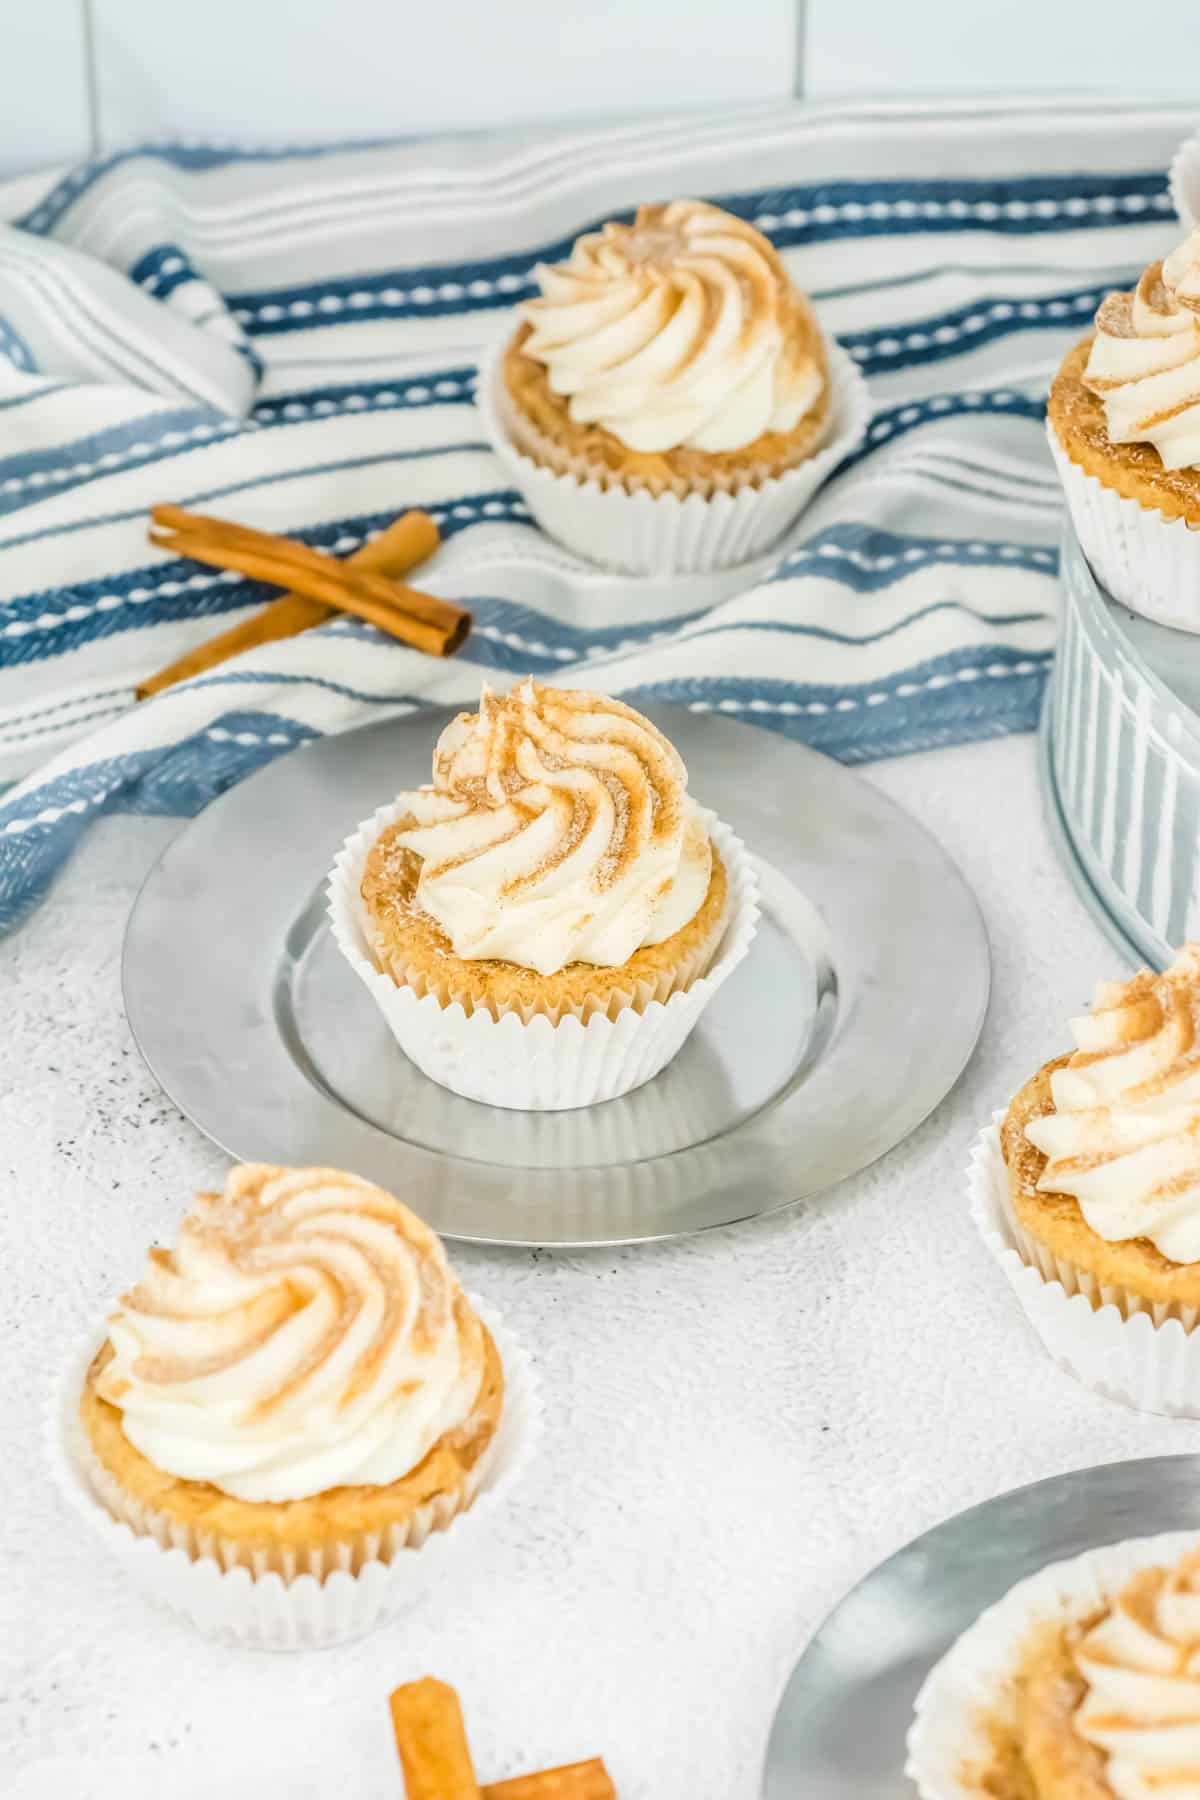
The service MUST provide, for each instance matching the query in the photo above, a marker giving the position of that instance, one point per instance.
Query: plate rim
(921, 1541)
(672, 1228)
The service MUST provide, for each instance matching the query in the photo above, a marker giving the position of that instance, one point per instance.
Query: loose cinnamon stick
(574, 1781)
(435, 626)
(407, 541)
(432, 1742)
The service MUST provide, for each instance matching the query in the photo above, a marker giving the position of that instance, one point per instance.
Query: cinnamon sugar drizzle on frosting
(1141, 1663)
(558, 829)
(305, 1333)
(1145, 359)
(683, 328)
(1124, 1139)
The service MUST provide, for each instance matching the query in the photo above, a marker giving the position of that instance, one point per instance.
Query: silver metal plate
(841, 1725)
(855, 1012)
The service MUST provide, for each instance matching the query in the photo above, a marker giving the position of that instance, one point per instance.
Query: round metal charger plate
(854, 1013)
(841, 1726)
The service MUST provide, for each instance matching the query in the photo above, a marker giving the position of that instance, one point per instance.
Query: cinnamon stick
(434, 626)
(432, 1741)
(574, 1781)
(407, 541)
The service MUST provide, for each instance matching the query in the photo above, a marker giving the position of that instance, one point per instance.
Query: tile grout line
(91, 85)
(800, 46)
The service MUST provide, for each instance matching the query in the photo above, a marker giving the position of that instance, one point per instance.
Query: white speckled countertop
(738, 1426)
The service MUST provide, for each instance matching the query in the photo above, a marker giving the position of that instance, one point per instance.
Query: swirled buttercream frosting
(306, 1333)
(682, 329)
(1141, 1663)
(558, 829)
(1144, 361)
(1124, 1138)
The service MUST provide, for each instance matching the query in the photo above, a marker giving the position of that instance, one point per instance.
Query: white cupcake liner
(1128, 1349)
(536, 1066)
(972, 1685)
(268, 1611)
(1146, 561)
(1185, 182)
(642, 534)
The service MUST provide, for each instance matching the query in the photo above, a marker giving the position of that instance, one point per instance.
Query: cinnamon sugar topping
(682, 329)
(1141, 1664)
(1145, 359)
(558, 829)
(270, 1352)
(1124, 1138)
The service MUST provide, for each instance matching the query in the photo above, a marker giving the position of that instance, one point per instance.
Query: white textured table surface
(738, 1427)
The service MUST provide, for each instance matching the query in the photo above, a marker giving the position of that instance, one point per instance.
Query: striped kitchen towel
(290, 338)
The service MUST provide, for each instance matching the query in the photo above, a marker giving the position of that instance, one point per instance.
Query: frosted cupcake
(297, 1417)
(1124, 423)
(1083, 1683)
(543, 925)
(298, 1390)
(671, 360)
(1089, 1194)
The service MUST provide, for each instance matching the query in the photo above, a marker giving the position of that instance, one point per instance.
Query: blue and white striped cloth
(290, 339)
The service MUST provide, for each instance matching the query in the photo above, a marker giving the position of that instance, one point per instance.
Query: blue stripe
(74, 463)
(159, 593)
(897, 421)
(12, 401)
(791, 217)
(140, 444)
(347, 465)
(438, 387)
(15, 348)
(177, 782)
(933, 704)
(967, 703)
(117, 446)
(162, 269)
(868, 557)
(891, 348)
(78, 461)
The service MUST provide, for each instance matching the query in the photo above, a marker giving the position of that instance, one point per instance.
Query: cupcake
(542, 926)
(1083, 1683)
(668, 400)
(1089, 1192)
(298, 1391)
(1124, 425)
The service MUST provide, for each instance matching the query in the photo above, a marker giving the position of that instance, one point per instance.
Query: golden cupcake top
(1141, 1664)
(1124, 1136)
(305, 1333)
(682, 329)
(1144, 361)
(558, 829)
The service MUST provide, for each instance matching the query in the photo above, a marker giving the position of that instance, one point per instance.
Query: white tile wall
(263, 70)
(43, 85)
(935, 46)
(321, 69)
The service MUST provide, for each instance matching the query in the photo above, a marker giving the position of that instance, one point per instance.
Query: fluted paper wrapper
(972, 1685)
(1147, 562)
(669, 534)
(534, 1065)
(1124, 1347)
(267, 1610)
